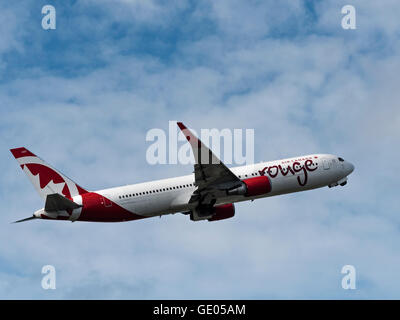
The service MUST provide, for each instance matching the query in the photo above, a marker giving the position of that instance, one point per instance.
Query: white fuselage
(172, 195)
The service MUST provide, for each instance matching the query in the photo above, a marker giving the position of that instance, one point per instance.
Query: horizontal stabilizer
(26, 219)
(57, 202)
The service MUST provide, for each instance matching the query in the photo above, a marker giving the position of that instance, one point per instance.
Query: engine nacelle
(223, 211)
(252, 187)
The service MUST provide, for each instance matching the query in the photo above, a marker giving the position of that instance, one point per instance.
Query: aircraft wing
(212, 176)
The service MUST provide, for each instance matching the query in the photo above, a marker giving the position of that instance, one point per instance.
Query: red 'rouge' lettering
(273, 175)
(305, 179)
(288, 169)
(308, 163)
(297, 166)
(262, 172)
(273, 171)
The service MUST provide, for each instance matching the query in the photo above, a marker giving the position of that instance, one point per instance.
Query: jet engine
(252, 187)
(223, 211)
(212, 213)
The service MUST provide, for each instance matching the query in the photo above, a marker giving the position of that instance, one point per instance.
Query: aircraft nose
(349, 167)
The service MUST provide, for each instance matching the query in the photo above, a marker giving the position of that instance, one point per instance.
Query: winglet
(193, 140)
(202, 154)
(181, 125)
(208, 169)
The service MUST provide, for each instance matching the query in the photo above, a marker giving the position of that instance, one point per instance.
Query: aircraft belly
(151, 206)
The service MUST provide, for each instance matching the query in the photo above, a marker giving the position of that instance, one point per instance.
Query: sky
(83, 97)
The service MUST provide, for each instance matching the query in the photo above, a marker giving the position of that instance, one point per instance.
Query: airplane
(207, 194)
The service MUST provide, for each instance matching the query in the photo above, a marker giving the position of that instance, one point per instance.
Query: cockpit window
(340, 159)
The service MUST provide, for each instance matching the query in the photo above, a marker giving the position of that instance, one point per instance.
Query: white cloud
(309, 93)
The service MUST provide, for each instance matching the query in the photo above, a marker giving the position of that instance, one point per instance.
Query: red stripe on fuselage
(96, 209)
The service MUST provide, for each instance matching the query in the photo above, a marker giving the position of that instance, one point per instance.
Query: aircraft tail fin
(45, 178)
